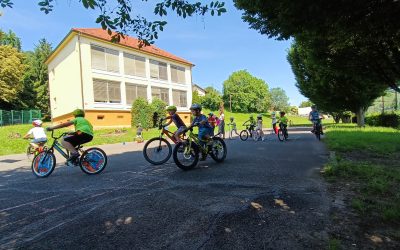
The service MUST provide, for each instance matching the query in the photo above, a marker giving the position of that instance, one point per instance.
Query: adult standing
(221, 126)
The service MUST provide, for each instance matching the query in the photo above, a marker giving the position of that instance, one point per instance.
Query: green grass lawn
(11, 144)
(369, 159)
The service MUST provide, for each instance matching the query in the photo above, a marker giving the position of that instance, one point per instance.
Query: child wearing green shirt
(83, 133)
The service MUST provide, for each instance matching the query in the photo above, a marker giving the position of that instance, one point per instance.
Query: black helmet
(195, 106)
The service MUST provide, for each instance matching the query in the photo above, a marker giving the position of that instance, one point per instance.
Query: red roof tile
(129, 42)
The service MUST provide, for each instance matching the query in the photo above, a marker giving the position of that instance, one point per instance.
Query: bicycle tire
(212, 152)
(194, 155)
(50, 161)
(85, 162)
(286, 134)
(244, 135)
(318, 132)
(162, 161)
(281, 136)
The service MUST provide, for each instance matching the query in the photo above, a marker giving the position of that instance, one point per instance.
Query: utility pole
(395, 100)
(383, 104)
(230, 102)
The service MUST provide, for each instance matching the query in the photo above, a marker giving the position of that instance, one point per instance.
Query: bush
(143, 112)
(384, 120)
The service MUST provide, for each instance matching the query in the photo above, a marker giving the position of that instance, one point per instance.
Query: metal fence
(18, 116)
(389, 102)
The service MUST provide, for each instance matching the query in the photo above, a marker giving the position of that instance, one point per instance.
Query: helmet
(37, 123)
(231, 118)
(171, 108)
(78, 113)
(282, 112)
(313, 107)
(273, 113)
(195, 106)
(211, 113)
(259, 116)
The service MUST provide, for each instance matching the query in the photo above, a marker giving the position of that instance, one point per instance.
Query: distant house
(199, 90)
(88, 71)
(304, 111)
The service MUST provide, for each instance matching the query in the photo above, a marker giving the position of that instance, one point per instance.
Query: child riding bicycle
(201, 121)
(283, 121)
(83, 133)
(315, 118)
(174, 117)
(39, 136)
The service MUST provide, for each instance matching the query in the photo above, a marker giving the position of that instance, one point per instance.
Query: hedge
(383, 120)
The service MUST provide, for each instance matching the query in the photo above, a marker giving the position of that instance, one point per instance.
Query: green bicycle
(186, 153)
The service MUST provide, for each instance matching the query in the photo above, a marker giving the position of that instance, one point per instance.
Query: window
(106, 91)
(104, 59)
(179, 98)
(160, 93)
(158, 70)
(177, 74)
(134, 91)
(134, 65)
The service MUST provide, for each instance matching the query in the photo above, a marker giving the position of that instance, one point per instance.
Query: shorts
(76, 139)
(180, 130)
(203, 132)
(39, 140)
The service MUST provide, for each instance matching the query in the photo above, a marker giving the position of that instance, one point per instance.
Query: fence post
(12, 117)
(30, 115)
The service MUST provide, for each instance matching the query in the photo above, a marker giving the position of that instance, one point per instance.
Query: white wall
(64, 80)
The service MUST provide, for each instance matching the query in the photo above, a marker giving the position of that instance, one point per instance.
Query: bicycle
(249, 131)
(186, 153)
(91, 161)
(282, 133)
(158, 150)
(232, 128)
(318, 129)
(32, 151)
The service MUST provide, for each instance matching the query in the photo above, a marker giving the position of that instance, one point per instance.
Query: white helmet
(37, 122)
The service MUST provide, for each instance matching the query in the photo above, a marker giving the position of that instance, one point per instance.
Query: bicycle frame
(166, 132)
(193, 138)
(56, 145)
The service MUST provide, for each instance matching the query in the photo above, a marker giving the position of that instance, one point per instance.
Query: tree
(357, 35)
(329, 88)
(212, 100)
(120, 16)
(36, 75)
(11, 39)
(11, 76)
(196, 98)
(305, 104)
(294, 110)
(246, 93)
(279, 99)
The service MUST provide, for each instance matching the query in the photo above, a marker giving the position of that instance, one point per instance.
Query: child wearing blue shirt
(201, 121)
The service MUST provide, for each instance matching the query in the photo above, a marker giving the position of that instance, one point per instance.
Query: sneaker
(73, 157)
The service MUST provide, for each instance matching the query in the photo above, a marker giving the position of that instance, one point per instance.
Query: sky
(218, 46)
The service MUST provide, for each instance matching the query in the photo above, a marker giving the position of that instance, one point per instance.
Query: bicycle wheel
(286, 134)
(244, 135)
(43, 164)
(318, 132)
(281, 135)
(218, 150)
(157, 151)
(185, 156)
(93, 161)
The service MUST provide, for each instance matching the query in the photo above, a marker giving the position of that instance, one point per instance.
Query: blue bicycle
(91, 161)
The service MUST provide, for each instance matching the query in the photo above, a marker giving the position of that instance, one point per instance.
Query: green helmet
(78, 113)
(171, 108)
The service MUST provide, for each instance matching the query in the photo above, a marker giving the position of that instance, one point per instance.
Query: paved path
(133, 205)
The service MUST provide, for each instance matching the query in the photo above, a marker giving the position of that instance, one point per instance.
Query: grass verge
(366, 172)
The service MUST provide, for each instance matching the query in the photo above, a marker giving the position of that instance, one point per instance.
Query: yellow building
(88, 71)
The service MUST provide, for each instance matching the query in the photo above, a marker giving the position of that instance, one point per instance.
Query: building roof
(127, 41)
(197, 86)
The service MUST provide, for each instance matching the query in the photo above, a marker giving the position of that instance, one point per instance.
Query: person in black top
(174, 117)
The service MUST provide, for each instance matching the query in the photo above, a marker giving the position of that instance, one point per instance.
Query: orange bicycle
(158, 150)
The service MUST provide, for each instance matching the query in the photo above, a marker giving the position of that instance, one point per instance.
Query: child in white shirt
(39, 136)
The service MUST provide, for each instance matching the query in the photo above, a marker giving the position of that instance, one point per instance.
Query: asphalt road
(134, 205)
